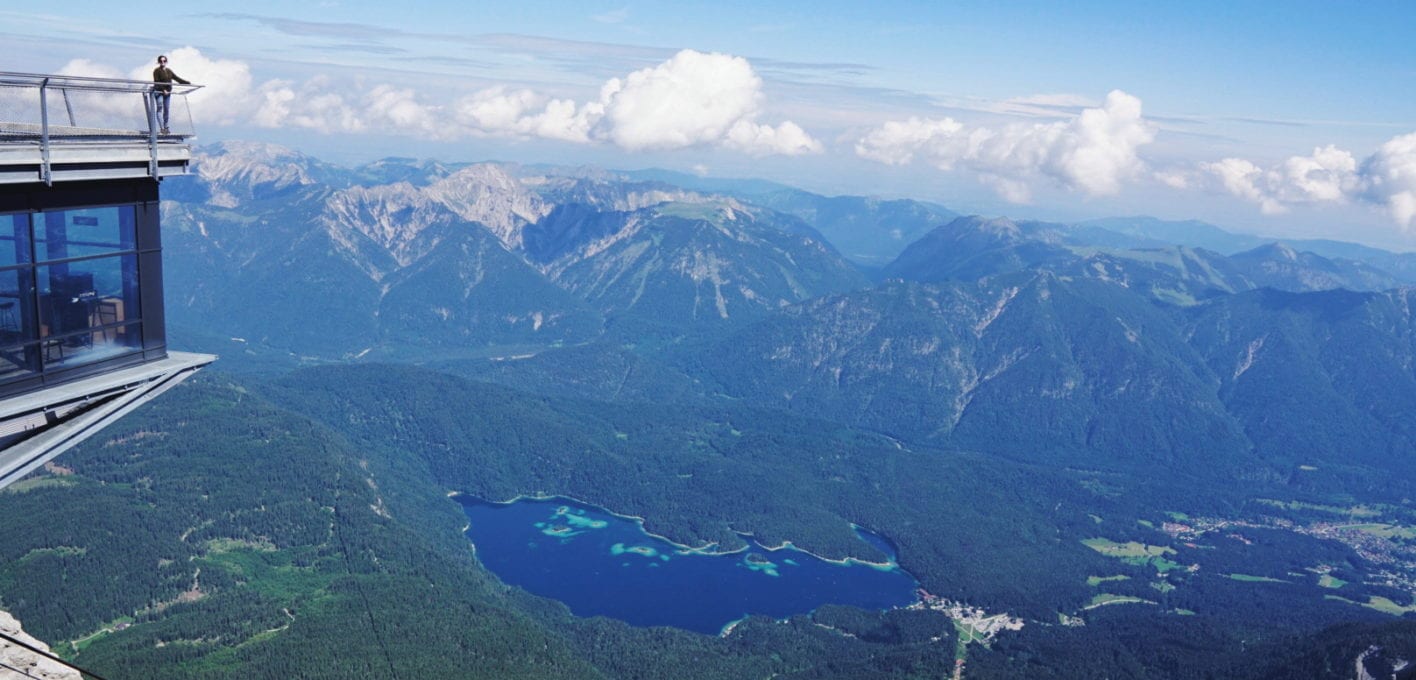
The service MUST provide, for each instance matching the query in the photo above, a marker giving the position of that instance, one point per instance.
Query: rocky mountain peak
(996, 226)
(1279, 251)
(391, 215)
(236, 171)
(488, 194)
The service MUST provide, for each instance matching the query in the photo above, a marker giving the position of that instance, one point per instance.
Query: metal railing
(55, 109)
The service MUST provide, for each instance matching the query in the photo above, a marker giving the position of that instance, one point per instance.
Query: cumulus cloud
(690, 99)
(228, 94)
(896, 142)
(1173, 178)
(1386, 179)
(693, 99)
(787, 139)
(85, 68)
(1093, 152)
(523, 113)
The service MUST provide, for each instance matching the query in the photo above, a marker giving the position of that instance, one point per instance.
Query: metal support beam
(44, 132)
(112, 397)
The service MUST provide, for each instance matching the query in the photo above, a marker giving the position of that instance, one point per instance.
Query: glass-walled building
(74, 278)
(82, 337)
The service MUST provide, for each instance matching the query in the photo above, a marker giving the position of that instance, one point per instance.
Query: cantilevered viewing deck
(68, 128)
(82, 332)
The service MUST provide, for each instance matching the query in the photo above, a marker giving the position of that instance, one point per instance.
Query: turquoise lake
(600, 564)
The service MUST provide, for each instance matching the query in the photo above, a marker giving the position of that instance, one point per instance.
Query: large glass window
(18, 354)
(14, 240)
(80, 233)
(68, 289)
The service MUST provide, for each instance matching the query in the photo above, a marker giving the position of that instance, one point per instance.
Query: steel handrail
(15, 78)
(149, 90)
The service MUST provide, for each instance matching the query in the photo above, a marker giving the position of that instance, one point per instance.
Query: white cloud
(1245, 180)
(693, 99)
(85, 68)
(1092, 152)
(523, 113)
(1386, 179)
(390, 107)
(228, 94)
(1173, 178)
(1321, 176)
(896, 142)
(787, 139)
(99, 109)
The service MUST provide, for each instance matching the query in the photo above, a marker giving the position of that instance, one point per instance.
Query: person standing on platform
(162, 92)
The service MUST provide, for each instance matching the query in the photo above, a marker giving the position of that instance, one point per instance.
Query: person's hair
(162, 57)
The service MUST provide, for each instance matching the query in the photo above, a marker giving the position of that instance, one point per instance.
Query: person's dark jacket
(164, 77)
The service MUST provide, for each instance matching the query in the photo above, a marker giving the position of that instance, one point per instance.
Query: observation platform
(69, 128)
(82, 325)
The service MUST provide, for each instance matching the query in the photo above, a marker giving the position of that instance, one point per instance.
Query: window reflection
(14, 240)
(85, 306)
(68, 289)
(80, 233)
(16, 302)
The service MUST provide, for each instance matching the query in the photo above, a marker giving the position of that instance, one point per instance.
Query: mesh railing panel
(19, 109)
(86, 107)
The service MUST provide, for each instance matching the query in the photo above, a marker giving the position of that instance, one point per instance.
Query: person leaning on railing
(162, 92)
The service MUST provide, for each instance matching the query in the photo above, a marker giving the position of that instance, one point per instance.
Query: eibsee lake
(600, 564)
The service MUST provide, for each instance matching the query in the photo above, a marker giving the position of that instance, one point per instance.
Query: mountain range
(1171, 450)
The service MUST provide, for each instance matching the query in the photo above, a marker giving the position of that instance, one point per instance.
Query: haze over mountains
(1138, 438)
(1167, 351)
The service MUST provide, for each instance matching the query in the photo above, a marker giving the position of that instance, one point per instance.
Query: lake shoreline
(621, 570)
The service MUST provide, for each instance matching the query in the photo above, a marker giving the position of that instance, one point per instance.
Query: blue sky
(1283, 118)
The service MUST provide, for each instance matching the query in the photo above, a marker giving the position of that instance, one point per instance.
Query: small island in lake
(605, 565)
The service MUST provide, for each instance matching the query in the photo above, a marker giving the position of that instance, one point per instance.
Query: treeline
(977, 528)
(314, 558)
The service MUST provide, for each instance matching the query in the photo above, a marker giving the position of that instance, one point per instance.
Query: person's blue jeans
(163, 102)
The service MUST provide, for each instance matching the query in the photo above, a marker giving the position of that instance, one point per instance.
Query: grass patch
(1111, 548)
(57, 551)
(1377, 602)
(1247, 578)
(967, 635)
(1352, 511)
(1103, 599)
(1185, 612)
(1330, 581)
(1386, 530)
(1161, 564)
(226, 545)
(25, 485)
(1388, 606)
(1095, 581)
(1178, 516)
(1163, 586)
(1133, 552)
(76, 646)
(272, 574)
